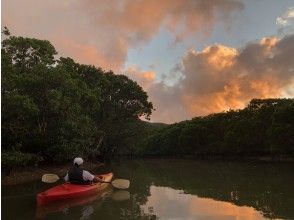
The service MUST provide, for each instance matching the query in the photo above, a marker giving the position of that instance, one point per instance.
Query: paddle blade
(49, 178)
(121, 195)
(121, 183)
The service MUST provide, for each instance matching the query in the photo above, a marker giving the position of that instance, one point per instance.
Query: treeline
(54, 109)
(264, 128)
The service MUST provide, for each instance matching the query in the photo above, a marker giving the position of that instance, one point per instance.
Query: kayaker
(77, 175)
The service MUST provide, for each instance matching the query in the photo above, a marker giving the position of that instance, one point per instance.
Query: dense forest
(264, 128)
(54, 109)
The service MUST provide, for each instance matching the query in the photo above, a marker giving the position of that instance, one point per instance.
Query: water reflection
(169, 204)
(266, 187)
(64, 206)
(121, 195)
(173, 189)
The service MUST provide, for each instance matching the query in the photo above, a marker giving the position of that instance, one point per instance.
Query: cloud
(87, 54)
(220, 78)
(101, 32)
(286, 22)
(286, 18)
(143, 78)
(138, 21)
(167, 108)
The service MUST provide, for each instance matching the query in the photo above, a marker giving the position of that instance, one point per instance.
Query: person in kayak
(77, 175)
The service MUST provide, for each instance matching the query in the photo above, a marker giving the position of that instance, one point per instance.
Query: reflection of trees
(18, 200)
(128, 210)
(268, 187)
(139, 176)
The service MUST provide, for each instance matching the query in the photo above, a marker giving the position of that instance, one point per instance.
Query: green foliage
(26, 53)
(281, 132)
(125, 98)
(264, 128)
(16, 158)
(5, 31)
(55, 108)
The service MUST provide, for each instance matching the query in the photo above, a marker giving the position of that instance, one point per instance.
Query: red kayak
(61, 206)
(70, 191)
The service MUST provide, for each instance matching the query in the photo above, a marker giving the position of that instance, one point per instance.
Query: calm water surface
(172, 189)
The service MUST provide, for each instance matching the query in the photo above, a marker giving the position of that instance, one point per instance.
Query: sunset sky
(193, 57)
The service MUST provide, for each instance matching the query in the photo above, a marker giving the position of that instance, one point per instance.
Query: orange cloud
(220, 78)
(101, 32)
(149, 75)
(223, 100)
(265, 88)
(218, 57)
(269, 42)
(138, 21)
(164, 98)
(89, 54)
(143, 78)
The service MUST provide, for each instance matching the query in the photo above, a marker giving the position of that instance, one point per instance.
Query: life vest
(75, 175)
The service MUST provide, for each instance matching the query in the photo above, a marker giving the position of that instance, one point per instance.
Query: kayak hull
(63, 205)
(71, 191)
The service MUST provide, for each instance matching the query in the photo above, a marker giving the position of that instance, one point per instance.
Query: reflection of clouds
(167, 203)
(211, 207)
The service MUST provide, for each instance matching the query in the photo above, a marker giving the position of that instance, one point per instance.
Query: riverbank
(27, 174)
(264, 158)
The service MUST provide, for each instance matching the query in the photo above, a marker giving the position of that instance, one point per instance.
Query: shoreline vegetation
(54, 109)
(27, 174)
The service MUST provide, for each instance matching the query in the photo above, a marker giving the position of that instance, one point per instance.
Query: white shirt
(86, 176)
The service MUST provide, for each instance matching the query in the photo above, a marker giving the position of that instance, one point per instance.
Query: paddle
(121, 195)
(49, 178)
(117, 183)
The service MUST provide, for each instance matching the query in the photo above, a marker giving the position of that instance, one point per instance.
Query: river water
(171, 189)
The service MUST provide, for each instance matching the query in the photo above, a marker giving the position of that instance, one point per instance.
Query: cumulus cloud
(167, 108)
(144, 78)
(220, 78)
(286, 22)
(137, 21)
(101, 32)
(286, 18)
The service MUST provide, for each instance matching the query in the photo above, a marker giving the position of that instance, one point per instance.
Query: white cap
(78, 161)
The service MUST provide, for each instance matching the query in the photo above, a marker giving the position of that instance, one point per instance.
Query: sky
(192, 57)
